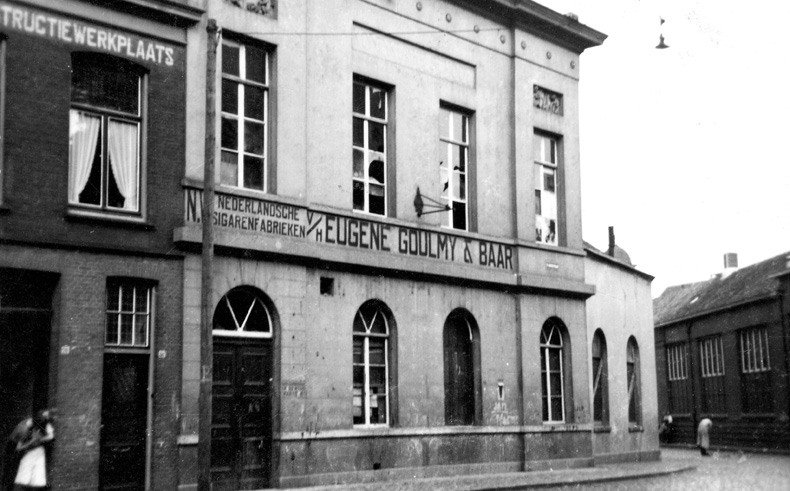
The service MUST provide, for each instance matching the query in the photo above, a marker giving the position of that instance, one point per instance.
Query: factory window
(372, 361)
(547, 172)
(677, 378)
(245, 116)
(600, 367)
(634, 383)
(461, 369)
(711, 353)
(454, 166)
(105, 138)
(552, 370)
(371, 147)
(755, 371)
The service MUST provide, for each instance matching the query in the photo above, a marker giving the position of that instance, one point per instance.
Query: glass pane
(359, 163)
(548, 181)
(358, 103)
(459, 216)
(113, 293)
(359, 132)
(230, 97)
(556, 409)
(359, 356)
(142, 299)
(376, 168)
(254, 102)
(556, 384)
(553, 150)
(230, 133)
(459, 127)
(359, 195)
(253, 137)
(377, 355)
(545, 408)
(537, 146)
(554, 360)
(127, 299)
(141, 330)
(378, 410)
(230, 59)
(376, 136)
(459, 186)
(359, 378)
(256, 64)
(376, 199)
(444, 122)
(111, 335)
(229, 168)
(377, 379)
(458, 161)
(379, 323)
(378, 103)
(358, 410)
(253, 172)
(126, 329)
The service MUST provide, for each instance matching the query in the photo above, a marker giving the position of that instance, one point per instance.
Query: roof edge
(606, 257)
(705, 313)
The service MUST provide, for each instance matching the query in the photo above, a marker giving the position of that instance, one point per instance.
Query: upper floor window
(756, 395)
(129, 309)
(372, 347)
(634, 383)
(454, 166)
(677, 366)
(711, 355)
(600, 367)
(370, 147)
(552, 371)
(105, 133)
(245, 107)
(547, 163)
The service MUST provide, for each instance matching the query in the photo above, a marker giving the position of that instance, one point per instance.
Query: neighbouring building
(722, 353)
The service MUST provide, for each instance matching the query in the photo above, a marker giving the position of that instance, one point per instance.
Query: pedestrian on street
(703, 436)
(32, 473)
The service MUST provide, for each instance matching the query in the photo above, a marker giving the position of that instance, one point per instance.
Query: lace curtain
(122, 143)
(84, 134)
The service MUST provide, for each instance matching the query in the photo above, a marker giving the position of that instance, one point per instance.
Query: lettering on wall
(265, 217)
(63, 29)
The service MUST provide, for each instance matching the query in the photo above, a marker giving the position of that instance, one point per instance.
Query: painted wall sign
(63, 29)
(270, 218)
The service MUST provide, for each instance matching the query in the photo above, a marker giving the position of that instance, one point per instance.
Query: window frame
(546, 349)
(388, 357)
(601, 378)
(240, 327)
(457, 320)
(113, 283)
(387, 149)
(711, 351)
(634, 382)
(753, 364)
(267, 171)
(544, 166)
(677, 362)
(106, 115)
(447, 182)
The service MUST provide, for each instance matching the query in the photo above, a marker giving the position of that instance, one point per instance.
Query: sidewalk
(522, 480)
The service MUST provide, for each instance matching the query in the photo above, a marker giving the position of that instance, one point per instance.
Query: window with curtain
(552, 373)
(634, 389)
(454, 166)
(245, 107)
(600, 369)
(370, 147)
(371, 365)
(105, 123)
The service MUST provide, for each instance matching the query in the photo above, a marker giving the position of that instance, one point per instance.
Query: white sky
(682, 149)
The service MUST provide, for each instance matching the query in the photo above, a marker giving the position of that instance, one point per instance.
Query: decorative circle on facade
(573, 64)
(502, 39)
(419, 5)
(449, 17)
(523, 45)
(548, 54)
(477, 28)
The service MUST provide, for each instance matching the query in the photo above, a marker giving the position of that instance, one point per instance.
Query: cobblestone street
(723, 471)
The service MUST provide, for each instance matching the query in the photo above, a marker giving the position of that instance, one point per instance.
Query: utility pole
(206, 348)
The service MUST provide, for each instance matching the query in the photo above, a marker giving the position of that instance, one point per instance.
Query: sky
(682, 148)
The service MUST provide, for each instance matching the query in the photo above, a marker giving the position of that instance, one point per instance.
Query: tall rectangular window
(105, 133)
(547, 161)
(677, 378)
(370, 392)
(711, 353)
(2, 115)
(370, 153)
(245, 114)
(454, 166)
(756, 392)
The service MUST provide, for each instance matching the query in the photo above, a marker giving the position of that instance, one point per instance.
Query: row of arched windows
(244, 312)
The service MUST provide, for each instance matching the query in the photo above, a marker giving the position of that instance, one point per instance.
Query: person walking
(703, 436)
(32, 472)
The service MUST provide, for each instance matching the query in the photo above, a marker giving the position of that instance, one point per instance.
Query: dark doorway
(459, 373)
(241, 427)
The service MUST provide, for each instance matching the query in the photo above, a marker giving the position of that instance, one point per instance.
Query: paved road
(723, 471)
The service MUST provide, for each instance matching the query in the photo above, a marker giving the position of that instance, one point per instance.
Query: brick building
(92, 104)
(722, 353)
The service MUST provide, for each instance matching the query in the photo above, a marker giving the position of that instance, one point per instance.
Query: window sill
(602, 429)
(86, 216)
(635, 428)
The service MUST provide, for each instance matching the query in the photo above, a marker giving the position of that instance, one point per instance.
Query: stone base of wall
(616, 458)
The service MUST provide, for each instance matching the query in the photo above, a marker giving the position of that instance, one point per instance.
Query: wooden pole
(206, 348)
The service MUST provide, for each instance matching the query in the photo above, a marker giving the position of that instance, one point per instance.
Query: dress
(33, 466)
(703, 435)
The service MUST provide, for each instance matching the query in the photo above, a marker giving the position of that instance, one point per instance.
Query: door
(124, 417)
(241, 429)
(459, 386)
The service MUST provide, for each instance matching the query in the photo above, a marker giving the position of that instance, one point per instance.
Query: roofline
(542, 21)
(600, 255)
(705, 313)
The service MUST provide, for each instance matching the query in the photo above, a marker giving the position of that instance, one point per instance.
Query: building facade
(722, 353)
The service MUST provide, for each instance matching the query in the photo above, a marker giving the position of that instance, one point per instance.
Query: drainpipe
(206, 348)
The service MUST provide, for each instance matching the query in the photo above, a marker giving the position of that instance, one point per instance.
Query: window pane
(359, 195)
(230, 59)
(256, 64)
(126, 329)
(376, 168)
(358, 103)
(376, 199)
(556, 384)
(127, 299)
(459, 186)
(458, 155)
(230, 97)
(459, 216)
(548, 181)
(378, 410)
(444, 122)
(230, 133)
(376, 136)
(359, 163)
(141, 302)
(229, 168)
(111, 335)
(359, 356)
(253, 102)
(141, 330)
(253, 137)
(459, 127)
(358, 410)
(377, 379)
(556, 409)
(554, 360)
(378, 103)
(253, 172)
(359, 132)
(377, 356)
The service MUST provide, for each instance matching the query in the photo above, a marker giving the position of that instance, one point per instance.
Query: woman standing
(32, 473)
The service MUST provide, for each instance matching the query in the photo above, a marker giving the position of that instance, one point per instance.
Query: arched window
(634, 383)
(600, 368)
(552, 360)
(242, 313)
(372, 352)
(461, 369)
